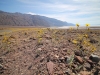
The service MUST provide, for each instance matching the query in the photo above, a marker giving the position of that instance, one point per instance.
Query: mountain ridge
(20, 19)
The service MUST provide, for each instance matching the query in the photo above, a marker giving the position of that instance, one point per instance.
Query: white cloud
(61, 7)
(82, 11)
(31, 13)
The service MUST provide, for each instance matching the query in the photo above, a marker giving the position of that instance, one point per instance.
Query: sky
(72, 11)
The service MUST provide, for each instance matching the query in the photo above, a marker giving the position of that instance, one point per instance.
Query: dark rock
(65, 58)
(81, 46)
(25, 33)
(1, 69)
(1, 35)
(37, 56)
(32, 38)
(96, 72)
(93, 41)
(87, 66)
(78, 53)
(41, 60)
(94, 58)
(6, 52)
(48, 58)
(62, 59)
(29, 67)
(69, 40)
(1, 60)
(68, 72)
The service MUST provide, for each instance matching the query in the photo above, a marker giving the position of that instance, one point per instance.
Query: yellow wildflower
(93, 48)
(87, 25)
(5, 39)
(77, 25)
(75, 41)
(8, 42)
(88, 44)
(40, 39)
(85, 35)
(84, 42)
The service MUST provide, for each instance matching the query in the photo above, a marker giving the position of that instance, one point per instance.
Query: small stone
(65, 49)
(37, 55)
(73, 73)
(48, 36)
(68, 72)
(13, 37)
(39, 49)
(84, 73)
(61, 59)
(32, 38)
(86, 58)
(90, 61)
(1, 69)
(29, 67)
(74, 66)
(1, 66)
(79, 59)
(78, 53)
(42, 60)
(55, 48)
(60, 73)
(1, 60)
(47, 41)
(50, 67)
(87, 66)
(56, 56)
(98, 67)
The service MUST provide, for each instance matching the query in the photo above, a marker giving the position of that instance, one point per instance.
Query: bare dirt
(47, 52)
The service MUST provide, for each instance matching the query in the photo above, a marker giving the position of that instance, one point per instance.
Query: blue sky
(73, 11)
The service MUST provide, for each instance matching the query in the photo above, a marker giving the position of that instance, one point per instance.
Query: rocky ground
(36, 51)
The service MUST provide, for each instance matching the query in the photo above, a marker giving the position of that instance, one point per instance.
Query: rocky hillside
(19, 19)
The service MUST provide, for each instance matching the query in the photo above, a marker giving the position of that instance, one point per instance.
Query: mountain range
(20, 19)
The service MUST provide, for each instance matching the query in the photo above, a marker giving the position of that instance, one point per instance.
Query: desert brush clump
(40, 33)
(82, 41)
(71, 29)
(6, 42)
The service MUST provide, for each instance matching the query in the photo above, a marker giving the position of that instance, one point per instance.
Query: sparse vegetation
(77, 25)
(27, 50)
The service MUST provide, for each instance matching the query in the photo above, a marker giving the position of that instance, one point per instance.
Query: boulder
(94, 58)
